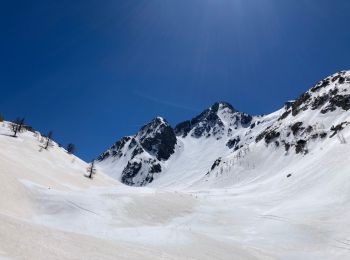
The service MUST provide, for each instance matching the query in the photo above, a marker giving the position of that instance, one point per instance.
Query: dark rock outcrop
(209, 123)
(158, 138)
(115, 150)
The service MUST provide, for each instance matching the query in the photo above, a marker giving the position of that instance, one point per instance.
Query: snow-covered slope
(223, 141)
(299, 133)
(269, 196)
(49, 210)
(23, 160)
(136, 159)
(188, 150)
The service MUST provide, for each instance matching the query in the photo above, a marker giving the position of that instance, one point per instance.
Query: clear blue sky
(93, 71)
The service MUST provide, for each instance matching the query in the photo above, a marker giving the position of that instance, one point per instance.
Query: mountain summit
(221, 138)
(218, 120)
(232, 186)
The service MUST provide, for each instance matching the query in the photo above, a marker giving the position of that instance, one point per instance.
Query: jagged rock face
(130, 171)
(116, 150)
(217, 120)
(293, 130)
(144, 152)
(301, 126)
(142, 157)
(327, 95)
(158, 138)
(233, 143)
(140, 172)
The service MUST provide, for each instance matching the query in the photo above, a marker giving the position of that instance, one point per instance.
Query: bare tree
(48, 141)
(2, 118)
(91, 170)
(71, 148)
(17, 126)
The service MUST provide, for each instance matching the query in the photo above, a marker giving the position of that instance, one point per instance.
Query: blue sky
(93, 71)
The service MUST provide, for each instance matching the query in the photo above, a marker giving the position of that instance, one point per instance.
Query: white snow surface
(245, 209)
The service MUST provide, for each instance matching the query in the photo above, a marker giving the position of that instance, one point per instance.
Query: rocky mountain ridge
(140, 159)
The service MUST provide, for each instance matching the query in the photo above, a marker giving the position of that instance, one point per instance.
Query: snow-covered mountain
(222, 141)
(224, 185)
(157, 148)
(141, 156)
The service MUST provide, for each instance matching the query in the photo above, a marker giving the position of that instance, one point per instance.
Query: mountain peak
(154, 127)
(144, 152)
(157, 121)
(216, 121)
(160, 120)
(316, 116)
(217, 106)
(158, 138)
